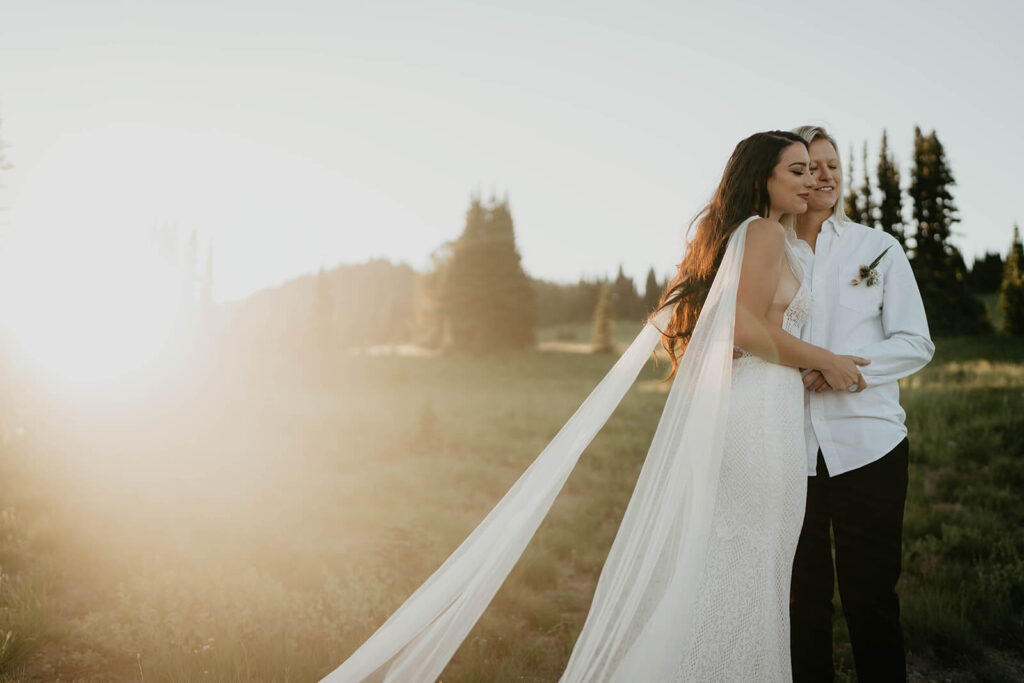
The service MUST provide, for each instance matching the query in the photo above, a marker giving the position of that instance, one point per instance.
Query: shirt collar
(837, 226)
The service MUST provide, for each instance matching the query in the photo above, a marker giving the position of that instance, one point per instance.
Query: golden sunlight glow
(96, 289)
(93, 317)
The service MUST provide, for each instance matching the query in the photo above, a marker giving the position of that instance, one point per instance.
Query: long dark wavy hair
(742, 192)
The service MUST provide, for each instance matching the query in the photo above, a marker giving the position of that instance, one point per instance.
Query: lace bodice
(798, 311)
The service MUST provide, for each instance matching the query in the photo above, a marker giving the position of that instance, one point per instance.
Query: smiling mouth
(826, 188)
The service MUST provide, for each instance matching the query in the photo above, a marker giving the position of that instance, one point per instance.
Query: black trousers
(864, 511)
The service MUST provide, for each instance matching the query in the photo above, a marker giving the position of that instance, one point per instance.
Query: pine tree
(487, 298)
(938, 265)
(603, 321)
(867, 203)
(1011, 292)
(934, 210)
(430, 321)
(986, 274)
(1018, 249)
(625, 300)
(588, 292)
(890, 210)
(652, 292)
(852, 204)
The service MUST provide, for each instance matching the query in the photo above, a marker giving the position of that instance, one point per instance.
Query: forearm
(898, 356)
(906, 346)
(756, 335)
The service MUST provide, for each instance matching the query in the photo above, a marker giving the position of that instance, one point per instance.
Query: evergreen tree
(603, 321)
(558, 304)
(587, 294)
(852, 203)
(890, 210)
(987, 273)
(938, 265)
(487, 298)
(934, 210)
(1018, 249)
(1011, 293)
(625, 300)
(428, 299)
(652, 292)
(867, 203)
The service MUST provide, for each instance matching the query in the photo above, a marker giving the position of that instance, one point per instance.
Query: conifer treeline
(947, 287)
(576, 303)
(470, 266)
(477, 296)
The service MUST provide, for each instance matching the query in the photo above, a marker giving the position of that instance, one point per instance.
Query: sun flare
(95, 292)
(92, 315)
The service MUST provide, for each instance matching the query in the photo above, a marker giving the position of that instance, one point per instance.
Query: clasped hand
(843, 374)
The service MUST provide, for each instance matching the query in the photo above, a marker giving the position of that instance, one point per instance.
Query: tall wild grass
(254, 521)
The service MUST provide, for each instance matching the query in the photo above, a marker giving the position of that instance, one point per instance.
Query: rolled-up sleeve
(907, 346)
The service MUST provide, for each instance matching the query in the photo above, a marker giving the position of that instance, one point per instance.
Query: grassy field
(239, 522)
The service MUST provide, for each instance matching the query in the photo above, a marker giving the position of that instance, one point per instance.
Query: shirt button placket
(819, 307)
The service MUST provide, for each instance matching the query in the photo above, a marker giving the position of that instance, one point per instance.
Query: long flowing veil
(639, 618)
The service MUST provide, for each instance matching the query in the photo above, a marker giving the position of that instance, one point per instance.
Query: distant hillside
(372, 304)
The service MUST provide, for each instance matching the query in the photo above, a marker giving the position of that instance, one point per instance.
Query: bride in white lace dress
(696, 584)
(742, 629)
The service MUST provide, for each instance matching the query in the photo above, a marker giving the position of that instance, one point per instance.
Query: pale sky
(308, 133)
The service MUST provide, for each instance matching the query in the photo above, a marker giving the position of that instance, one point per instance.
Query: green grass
(623, 332)
(246, 524)
(963, 587)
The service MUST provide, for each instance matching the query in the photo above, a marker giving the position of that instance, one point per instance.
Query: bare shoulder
(764, 233)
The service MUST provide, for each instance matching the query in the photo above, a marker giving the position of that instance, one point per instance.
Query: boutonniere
(868, 272)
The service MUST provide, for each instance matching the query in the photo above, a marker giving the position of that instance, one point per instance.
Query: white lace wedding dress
(696, 584)
(742, 617)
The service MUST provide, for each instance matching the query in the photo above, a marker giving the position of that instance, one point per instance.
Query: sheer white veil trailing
(641, 614)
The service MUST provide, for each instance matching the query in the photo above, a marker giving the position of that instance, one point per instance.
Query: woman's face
(825, 169)
(789, 186)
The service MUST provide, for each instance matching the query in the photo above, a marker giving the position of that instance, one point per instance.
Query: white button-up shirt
(884, 323)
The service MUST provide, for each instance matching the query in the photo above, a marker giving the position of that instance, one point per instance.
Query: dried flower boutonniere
(868, 272)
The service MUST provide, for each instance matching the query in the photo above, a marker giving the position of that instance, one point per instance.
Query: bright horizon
(315, 135)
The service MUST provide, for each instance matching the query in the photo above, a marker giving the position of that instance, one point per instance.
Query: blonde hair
(812, 133)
